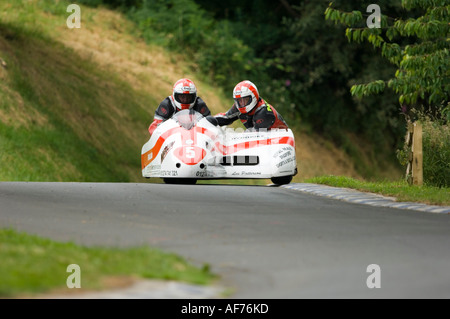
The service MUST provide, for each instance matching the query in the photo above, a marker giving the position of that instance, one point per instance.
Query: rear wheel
(281, 180)
(184, 181)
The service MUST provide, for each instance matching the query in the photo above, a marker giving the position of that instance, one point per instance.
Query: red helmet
(246, 96)
(184, 94)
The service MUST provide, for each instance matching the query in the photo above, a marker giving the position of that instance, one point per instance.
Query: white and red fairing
(189, 146)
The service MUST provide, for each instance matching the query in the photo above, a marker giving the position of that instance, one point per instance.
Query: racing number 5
(190, 155)
(190, 152)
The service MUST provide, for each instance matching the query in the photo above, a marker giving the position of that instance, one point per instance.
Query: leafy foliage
(322, 67)
(421, 55)
(183, 26)
(423, 66)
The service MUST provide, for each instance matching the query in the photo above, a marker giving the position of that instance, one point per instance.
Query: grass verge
(399, 189)
(32, 265)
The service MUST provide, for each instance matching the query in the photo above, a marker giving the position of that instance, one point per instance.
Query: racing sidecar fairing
(188, 147)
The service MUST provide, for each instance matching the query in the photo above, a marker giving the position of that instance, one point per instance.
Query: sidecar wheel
(282, 180)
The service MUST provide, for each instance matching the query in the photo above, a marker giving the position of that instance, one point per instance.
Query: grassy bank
(62, 115)
(399, 189)
(34, 265)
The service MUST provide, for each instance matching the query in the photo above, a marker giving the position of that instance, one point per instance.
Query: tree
(321, 67)
(418, 47)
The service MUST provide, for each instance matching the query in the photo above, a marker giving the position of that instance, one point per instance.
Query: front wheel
(281, 180)
(183, 181)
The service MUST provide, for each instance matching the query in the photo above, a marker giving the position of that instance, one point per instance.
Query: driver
(251, 109)
(184, 96)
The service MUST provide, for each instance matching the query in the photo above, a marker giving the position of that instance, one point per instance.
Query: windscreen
(187, 118)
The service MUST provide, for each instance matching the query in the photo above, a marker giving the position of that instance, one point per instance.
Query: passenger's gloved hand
(212, 120)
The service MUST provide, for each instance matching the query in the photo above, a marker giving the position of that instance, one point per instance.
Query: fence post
(408, 143)
(417, 160)
(414, 169)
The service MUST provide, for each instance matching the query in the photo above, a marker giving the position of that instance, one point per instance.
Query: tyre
(183, 181)
(281, 180)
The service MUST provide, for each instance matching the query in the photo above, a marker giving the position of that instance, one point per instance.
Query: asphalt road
(265, 242)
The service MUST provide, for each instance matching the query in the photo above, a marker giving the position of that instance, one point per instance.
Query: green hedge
(436, 153)
(435, 150)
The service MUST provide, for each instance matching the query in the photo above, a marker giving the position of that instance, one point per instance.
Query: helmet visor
(185, 98)
(243, 101)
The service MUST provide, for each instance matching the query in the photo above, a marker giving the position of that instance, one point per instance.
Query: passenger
(253, 111)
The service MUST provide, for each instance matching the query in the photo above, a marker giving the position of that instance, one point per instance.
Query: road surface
(264, 242)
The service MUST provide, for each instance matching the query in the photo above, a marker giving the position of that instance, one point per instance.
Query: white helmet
(184, 94)
(246, 96)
